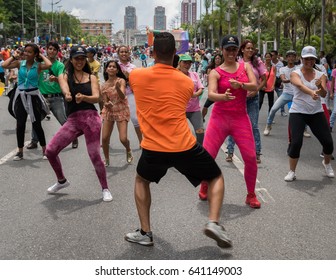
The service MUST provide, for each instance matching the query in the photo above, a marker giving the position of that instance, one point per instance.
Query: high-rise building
(188, 11)
(130, 18)
(160, 18)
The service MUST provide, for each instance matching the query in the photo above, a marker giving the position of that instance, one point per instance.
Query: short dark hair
(275, 52)
(164, 45)
(53, 44)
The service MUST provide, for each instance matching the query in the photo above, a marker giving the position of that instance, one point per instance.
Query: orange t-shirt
(5, 54)
(161, 95)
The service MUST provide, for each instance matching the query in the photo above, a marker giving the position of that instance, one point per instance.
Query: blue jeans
(279, 103)
(56, 105)
(279, 92)
(333, 114)
(253, 112)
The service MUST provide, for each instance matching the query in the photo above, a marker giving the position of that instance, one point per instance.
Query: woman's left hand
(79, 98)
(252, 93)
(234, 83)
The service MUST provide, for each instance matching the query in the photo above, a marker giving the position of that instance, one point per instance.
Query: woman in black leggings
(309, 84)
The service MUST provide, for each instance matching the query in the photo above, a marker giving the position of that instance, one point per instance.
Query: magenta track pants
(85, 122)
(238, 125)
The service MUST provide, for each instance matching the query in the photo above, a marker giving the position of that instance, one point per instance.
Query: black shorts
(196, 164)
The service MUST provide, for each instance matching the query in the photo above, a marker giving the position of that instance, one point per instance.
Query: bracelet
(14, 58)
(242, 85)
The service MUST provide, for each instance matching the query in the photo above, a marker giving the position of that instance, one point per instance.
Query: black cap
(77, 51)
(91, 50)
(230, 41)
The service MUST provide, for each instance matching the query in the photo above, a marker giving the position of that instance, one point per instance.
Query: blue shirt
(28, 78)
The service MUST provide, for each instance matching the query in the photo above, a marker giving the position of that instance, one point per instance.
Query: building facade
(97, 27)
(130, 18)
(188, 11)
(160, 18)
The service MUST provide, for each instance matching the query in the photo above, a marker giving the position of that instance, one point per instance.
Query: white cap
(308, 51)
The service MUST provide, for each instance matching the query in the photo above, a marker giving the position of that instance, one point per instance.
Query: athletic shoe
(107, 162)
(284, 114)
(44, 157)
(32, 145)
(203, 193)
(252, 200)
(290, 177)
(229, 157)
(217, 232)
(267, 130)
(258, 159)
(18, 156)
(107, 196)
(74, 144)
(329, 171)
(58, 186)
(129, 157)
(306, 134)
(137, 237)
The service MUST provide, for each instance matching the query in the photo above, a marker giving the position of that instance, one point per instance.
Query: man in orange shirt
(161, 94)
(5, 53)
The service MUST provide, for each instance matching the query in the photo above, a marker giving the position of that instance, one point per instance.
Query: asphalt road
(296, 220)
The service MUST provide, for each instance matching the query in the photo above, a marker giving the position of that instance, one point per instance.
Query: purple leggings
(238, 125)
(85, 122)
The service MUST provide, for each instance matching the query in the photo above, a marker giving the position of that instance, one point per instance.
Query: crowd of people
(161, 100)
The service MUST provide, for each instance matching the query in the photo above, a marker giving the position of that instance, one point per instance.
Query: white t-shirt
(287, 87)
(277, 65)
(303, 103)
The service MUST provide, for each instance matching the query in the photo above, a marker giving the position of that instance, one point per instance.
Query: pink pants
(238, 125)
(85, 122)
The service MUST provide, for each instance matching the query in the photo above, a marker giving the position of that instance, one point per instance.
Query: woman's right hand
(68, 97)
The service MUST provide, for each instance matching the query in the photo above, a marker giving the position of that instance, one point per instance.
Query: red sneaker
(252, 200)
(203, 193)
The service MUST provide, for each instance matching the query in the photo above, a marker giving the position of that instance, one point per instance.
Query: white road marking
(11, 154)
(263, 193)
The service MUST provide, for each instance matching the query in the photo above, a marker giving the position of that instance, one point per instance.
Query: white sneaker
(57, 186)
(107, 196)
(290, 176)
(267, 130)
(328, 169)
(44, 157)
(306, 134)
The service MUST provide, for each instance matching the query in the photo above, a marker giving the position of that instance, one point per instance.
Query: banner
(181, 39)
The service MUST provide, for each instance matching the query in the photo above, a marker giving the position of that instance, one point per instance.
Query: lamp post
(36, 25)
(52, 16)
(60, 22)
(22, 21)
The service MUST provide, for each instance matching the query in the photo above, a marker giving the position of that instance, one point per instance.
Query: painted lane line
(11, 154)
(263, 193)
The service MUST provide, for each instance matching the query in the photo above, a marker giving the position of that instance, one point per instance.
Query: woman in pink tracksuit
(228, 86)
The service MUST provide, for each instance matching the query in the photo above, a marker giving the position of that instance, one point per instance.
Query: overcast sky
(115, 9)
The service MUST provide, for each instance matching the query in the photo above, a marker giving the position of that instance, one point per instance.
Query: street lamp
(52, 16)
(60, 22)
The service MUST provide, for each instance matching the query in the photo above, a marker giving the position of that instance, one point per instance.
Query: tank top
(239, 103)
(85, 89)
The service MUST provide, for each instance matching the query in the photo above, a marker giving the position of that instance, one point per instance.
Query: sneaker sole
(220, 242)
(291, 180)
(51, 191)
(148, 244)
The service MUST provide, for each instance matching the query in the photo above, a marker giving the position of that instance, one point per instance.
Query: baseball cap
(290, 52)
(91, 50)
(308, 51)
(230, 41)
(77, 51)
(185, 57)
